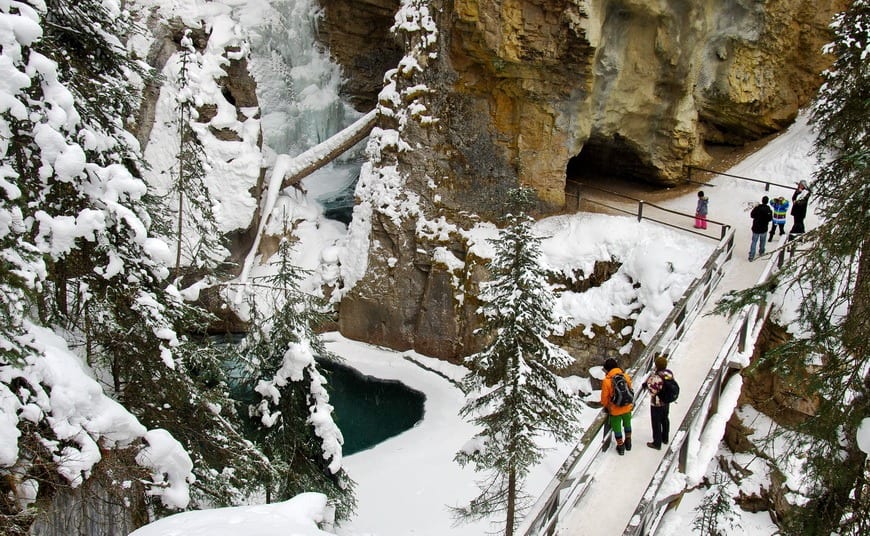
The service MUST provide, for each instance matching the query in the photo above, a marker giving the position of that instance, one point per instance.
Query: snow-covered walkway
(619, 481)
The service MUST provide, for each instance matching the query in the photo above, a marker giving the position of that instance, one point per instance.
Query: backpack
(670, 388)
(622, 394)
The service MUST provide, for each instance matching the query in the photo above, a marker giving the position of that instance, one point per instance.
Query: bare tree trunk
(856, 325)
(326, 152)
(178, 244)
(511, 502)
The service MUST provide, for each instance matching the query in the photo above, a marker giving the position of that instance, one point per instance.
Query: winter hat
(803, 183)
(661, 362)
(609, 364)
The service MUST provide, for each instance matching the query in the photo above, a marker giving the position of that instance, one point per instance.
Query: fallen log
(321, 154)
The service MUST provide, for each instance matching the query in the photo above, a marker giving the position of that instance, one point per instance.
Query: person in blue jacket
(780, 211)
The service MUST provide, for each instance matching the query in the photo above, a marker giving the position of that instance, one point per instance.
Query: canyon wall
(521, 91)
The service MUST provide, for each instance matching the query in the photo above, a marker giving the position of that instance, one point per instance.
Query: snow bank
(300, 516)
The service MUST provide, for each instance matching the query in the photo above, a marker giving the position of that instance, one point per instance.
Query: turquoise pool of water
(369, 410)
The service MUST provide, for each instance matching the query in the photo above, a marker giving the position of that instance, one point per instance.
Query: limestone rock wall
(636, 86)
(760, 65)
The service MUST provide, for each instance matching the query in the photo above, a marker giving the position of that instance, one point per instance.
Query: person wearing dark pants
(659, 409)
(800, 199)
(780, 212)
(761, 217)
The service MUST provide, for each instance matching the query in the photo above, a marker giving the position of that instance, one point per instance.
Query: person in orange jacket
(620, 416)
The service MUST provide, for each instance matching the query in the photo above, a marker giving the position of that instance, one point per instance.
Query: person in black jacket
(800, 198)
(761, 217)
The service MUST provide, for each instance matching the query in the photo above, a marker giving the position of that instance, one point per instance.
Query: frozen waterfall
(298, 89)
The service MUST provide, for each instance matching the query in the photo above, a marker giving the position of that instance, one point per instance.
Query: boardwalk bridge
(706, 352)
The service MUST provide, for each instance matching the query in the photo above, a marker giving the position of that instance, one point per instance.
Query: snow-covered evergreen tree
(830, 275)
(292, 415)
(197, 238)
(72, 216)
(514, 393)
(78, 259)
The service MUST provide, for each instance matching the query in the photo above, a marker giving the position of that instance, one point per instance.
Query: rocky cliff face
(524, 90)
(358, 36)
(638, 82)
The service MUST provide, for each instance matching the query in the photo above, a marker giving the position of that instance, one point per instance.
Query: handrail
(605, 190)
(647, 203)
(767, 184)
(611, 207)
(748, 324)
(651, 508)
(572, 475)
(640, 206)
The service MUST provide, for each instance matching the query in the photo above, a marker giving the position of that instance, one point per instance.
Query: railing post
(689, 175)
(640, 210)
(717, 393)
(762, 308)
(791, 249)
(766, 186)
(683, 458)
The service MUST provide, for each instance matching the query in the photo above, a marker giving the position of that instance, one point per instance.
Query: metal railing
(639, 212)
(572, 478)
(767, 184)
(744, 332)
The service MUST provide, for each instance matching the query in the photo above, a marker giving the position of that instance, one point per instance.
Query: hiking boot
(628, 443)
(654, 446)
(620, 449)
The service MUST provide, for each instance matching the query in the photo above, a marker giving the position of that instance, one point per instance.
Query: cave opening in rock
(601, 162)
(610, 169)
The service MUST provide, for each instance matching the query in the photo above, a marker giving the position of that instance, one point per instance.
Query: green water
(369, 410)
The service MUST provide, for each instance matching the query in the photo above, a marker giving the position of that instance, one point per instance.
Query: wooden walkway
(620, 481)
